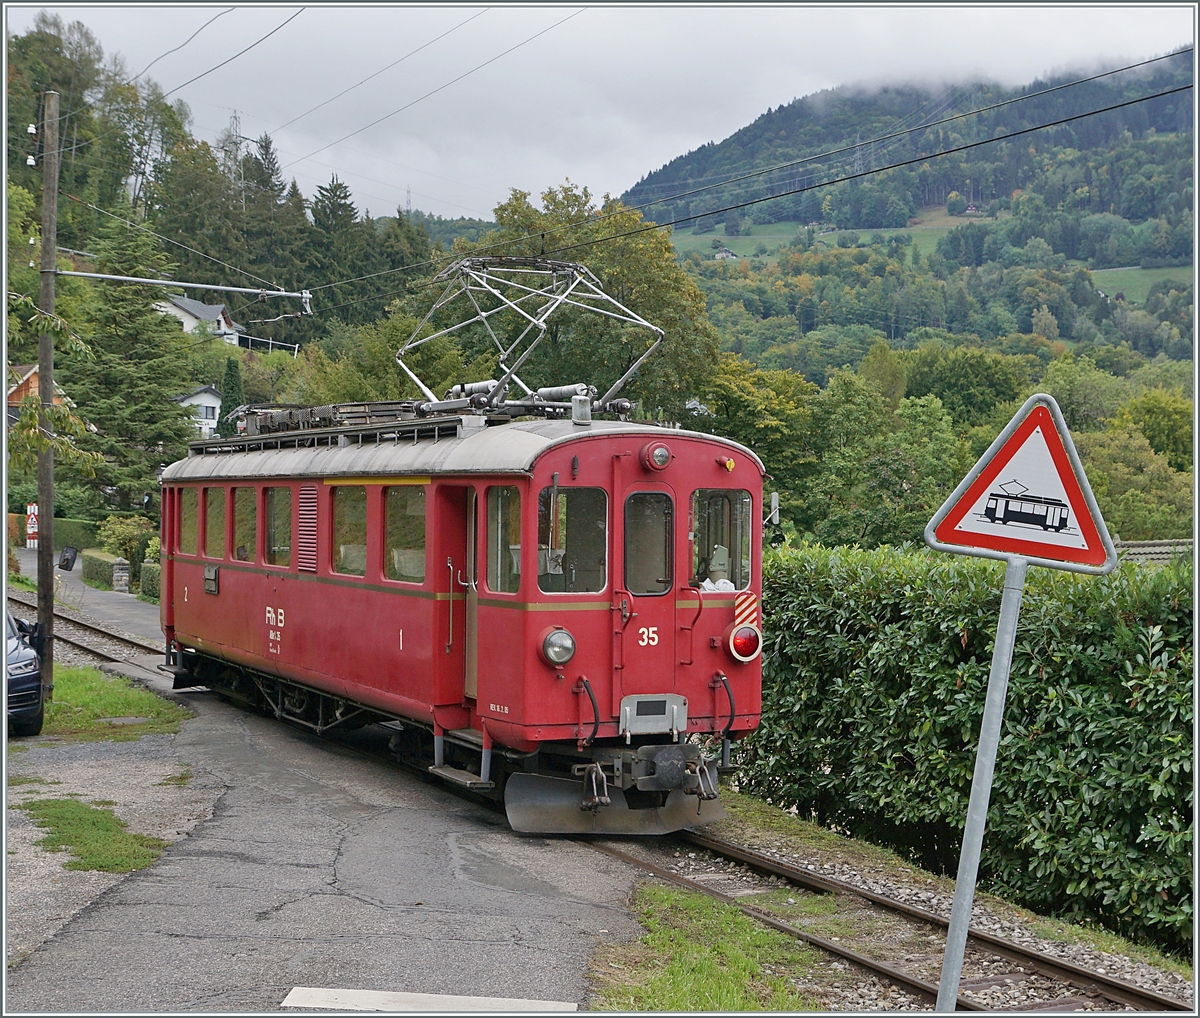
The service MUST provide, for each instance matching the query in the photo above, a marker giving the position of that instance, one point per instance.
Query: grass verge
(21, 582)
(85, 698)
(699, 955)
(96, 838)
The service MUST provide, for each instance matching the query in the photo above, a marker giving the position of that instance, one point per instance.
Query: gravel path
(154, 792)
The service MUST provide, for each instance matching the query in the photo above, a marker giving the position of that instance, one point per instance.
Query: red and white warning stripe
(745, 609)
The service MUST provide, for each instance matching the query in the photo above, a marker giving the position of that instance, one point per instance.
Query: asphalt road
(326, 866)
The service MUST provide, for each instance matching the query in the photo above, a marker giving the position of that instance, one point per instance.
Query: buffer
(1027, 497)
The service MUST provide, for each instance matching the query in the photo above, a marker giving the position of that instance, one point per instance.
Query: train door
(452, 567)
(644, 607)
(470, 584)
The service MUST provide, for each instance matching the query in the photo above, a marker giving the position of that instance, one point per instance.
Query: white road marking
(389, 1000)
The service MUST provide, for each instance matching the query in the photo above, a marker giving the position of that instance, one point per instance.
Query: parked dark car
(25, 707)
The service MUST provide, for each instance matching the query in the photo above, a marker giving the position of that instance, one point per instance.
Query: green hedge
(96, 569)
(76, 533)
(150, 575)
(875, 669)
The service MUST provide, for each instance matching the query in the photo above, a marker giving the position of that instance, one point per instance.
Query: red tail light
(744, 642)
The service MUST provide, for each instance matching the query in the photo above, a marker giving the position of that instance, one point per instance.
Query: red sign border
(1094, 554)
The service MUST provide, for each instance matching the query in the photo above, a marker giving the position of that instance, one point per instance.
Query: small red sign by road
(1027, 497)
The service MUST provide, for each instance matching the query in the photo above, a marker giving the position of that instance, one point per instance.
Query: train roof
(444, 446)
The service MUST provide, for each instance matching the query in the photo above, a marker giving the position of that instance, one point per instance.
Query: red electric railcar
(555, 612)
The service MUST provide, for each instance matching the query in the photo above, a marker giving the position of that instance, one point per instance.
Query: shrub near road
(876, 664)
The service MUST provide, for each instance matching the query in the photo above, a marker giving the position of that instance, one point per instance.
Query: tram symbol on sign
(1013, 504)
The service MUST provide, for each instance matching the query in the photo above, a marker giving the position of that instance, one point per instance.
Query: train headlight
(558, 647)
(655, 456)
(744, 643)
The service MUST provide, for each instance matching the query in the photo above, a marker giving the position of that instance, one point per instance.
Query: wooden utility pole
(45, 597)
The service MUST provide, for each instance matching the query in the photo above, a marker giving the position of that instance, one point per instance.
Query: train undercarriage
(640, 786)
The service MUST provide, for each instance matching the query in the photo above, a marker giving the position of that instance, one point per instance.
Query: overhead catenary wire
(645, 228)
(146, 229)
(369, 77)
(100, 137)
(236, 55)
(176, 49)
(440, 88)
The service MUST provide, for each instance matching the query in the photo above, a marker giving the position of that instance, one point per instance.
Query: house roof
(24, 372)
(204, 312)
(197, 392)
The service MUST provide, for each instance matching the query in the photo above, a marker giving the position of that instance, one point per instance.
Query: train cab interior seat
(352, 558)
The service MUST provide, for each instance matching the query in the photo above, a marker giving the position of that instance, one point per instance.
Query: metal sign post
(1044, 514)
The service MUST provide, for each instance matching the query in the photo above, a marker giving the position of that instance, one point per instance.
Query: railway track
(1085, 984)
(1085, 987)
(86, 636)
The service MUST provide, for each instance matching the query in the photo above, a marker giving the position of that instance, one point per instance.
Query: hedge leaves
(875, 669)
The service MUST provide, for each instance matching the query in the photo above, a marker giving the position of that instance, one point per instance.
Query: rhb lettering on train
(275, 617)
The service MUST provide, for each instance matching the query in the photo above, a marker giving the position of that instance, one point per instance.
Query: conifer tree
(139, 365)
(231, 397)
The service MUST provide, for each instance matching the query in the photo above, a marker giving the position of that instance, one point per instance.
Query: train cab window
(404, 533)
(721, 551)
(572, 539)
(278, 505)
(649, 531)
(349, 529)
(245, 545)
(189, 520)
(504, 539)
(214, 522)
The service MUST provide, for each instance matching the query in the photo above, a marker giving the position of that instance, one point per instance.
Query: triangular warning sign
(1027, 497)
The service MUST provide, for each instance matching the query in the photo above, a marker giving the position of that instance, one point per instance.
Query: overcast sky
(603, 96)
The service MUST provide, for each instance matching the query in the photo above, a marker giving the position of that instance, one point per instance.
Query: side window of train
(278, 512)
(504, 539)
(189, 520)
(245, 533)
(214, 522)
(572, 539)
(649, 531)
(722, 523)
(404, 533)
(349, 549)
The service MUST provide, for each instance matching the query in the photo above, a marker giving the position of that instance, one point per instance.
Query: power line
(744, 204)
(144, 229)
(382, 69)
(235, 56)
(181, 45)
(80, 109)
(440, 88)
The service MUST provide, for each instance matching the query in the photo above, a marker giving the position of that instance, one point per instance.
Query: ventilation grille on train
(306, 551)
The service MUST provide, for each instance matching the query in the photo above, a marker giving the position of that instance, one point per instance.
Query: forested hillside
(1112, 163)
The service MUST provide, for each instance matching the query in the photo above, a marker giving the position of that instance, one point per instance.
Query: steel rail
(889, 972)
(145, 648)
(1118, 990)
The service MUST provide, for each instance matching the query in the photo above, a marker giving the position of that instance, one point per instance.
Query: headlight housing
(655, 456)
(744, 642)
(26, 667)
(557, 646)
